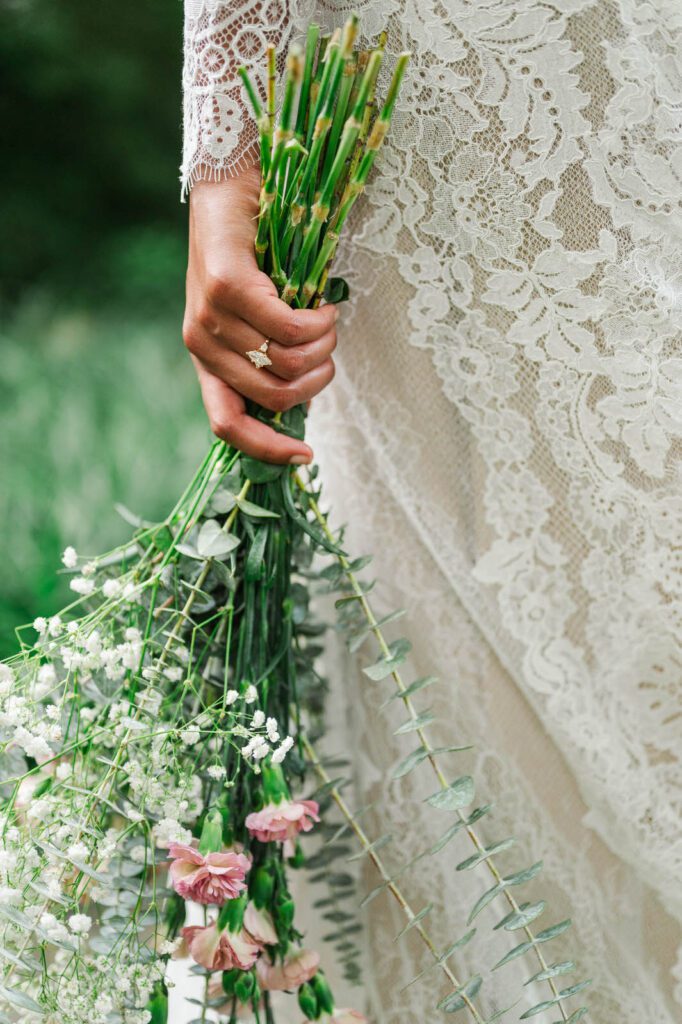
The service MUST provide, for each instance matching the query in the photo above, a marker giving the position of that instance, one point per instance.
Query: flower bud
(323, 993)
(297, 860)
(284, 913)
(231, 915)
(245, 986)
(262, 887)
(158, 1004)
(230, 979)
(212, 833)
(275, 788)
(307, 1000)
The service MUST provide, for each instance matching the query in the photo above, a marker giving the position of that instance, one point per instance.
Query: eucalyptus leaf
(551, 933)
(414, 921)
(18, 998)
(519, 877)
(259, 472)
(410, 762)
(257, 511)
(478, 858)
(564, 967)
(525, 917)
(410, 690)
(456, 1000)
(517, 951)
(213, 542)
(575, 1016)
(418, 722)
(398, 651)
(378, 844)
(458, 794)
(483, 901)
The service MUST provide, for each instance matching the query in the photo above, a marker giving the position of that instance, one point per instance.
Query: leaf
(457, 827)
(551, 933)
(378, 844)
(574, 989)
(575, 1016)
(478, 858)
(188, 550)
(517, 951)
(398, 651)
(483, 901)
(458, 794)
(565, 967)
(500, 1014)
(414, 920)
(525, 917)
(223, 500)
(213, 542)
(442, 958)
(259, 472)
(254, 567)
(336, 290)
(373, 893)
(538, 1008)
(18, 998)
(456, 1001)
(410, 762)
(524, 876)
(412, 724)
(250, 509)
(410, 690)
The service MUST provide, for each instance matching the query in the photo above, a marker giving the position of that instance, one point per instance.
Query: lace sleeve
(220, 138)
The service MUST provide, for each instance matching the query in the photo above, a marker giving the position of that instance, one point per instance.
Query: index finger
(261, 307)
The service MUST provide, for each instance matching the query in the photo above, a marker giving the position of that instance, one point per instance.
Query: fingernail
(300, 460)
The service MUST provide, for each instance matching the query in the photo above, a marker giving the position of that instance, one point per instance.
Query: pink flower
(279, 822)
(259, 925)
(221, 951)
(211, 878)
(291, 974)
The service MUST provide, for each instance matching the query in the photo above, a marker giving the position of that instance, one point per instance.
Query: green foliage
(90, 108)
(94, 410)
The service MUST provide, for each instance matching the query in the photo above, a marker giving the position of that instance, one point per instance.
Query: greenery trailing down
(171, 713)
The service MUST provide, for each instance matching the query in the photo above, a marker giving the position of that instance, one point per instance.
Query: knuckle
(292, 329)
(294, 363)
(206, 318)
(221, 426)
(281, 399)
(191, 336)
(219, 288)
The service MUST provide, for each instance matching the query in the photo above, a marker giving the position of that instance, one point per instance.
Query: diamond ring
(259, 356)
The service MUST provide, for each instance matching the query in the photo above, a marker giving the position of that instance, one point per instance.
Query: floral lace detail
(509, 398)
(220, 137)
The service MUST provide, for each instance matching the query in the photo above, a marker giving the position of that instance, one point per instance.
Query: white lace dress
(504, 434)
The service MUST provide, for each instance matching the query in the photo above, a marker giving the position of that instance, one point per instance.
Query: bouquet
(158, 738)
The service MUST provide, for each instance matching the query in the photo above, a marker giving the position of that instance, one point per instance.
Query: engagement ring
(259, 356)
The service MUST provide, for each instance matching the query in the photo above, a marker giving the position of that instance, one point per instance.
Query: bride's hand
(232, 308)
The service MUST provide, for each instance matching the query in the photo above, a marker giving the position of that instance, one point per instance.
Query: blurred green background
(98, 402)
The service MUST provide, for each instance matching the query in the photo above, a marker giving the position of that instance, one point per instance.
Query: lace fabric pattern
(516, 406)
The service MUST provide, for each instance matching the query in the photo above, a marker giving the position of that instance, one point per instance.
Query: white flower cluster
(262, 738)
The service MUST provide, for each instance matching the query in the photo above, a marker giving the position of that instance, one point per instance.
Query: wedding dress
(504, 435)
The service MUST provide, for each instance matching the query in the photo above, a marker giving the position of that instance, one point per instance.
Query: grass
(95, 409)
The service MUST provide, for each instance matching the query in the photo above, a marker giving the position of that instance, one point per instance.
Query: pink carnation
(290, 975)
(221, 951)
(211, 878)
(259, 925)
(281, 822)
